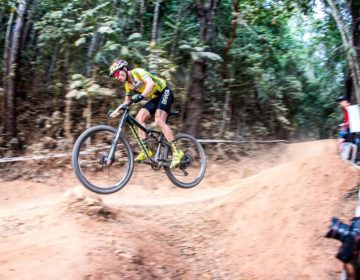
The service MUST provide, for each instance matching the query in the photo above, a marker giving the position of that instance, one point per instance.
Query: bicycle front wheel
(89, 160)
(192, 167)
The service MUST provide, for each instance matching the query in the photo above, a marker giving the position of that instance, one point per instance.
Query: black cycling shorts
(163, 102)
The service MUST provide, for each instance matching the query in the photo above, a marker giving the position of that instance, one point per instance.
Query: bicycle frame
(127, 118)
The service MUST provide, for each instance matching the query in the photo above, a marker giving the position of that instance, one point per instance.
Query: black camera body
(349, 235)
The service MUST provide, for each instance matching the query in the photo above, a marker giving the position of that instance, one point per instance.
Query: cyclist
(140, 84)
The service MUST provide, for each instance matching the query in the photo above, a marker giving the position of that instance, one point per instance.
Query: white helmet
(118, 64)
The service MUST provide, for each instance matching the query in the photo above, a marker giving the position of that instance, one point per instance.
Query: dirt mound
(260, 218)
(78, 200)
(276, 219)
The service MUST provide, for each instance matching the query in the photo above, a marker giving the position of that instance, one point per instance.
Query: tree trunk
(89, 66)
(88, 112)
(206, 13)
(230, 41)
(355, 13)
(154, 55)
(35, 46)
(195, 99)
(7, 47)
(91, 52)
(67, 58)
(10, 97)
(184, 94)
(6, 63)
(347, 40)
(176, 31)
(67, 122)
(142, 12)
(28, 25)
(239, 117)
(53, 62)
(155, 24)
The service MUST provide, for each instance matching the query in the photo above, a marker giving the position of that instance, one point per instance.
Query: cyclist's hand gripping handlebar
(116, 112)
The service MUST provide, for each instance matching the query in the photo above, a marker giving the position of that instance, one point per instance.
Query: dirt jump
(261, 218)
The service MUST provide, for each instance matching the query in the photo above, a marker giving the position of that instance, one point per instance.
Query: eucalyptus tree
(206, 13)
(12, 51)
(348, 40)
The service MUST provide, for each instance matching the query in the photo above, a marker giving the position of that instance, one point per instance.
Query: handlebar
(122, 106)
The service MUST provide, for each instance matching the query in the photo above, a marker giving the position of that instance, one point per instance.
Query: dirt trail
(261, 218)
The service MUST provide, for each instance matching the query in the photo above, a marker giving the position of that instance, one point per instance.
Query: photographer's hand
(350, 271)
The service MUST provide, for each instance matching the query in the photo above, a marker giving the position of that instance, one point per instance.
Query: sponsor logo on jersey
(138, 84)
(165, 97)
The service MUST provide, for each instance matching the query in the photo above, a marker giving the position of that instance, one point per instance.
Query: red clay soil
(261, 218)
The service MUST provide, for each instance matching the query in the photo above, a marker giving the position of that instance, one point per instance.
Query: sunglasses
(117, 74)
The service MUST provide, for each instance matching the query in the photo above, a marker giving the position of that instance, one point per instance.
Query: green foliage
(206, 55)
(159, 62)
(282, 71)
(81, 87)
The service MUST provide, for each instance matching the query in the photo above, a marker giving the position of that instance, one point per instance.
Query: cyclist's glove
(109, 113)
(137, 98)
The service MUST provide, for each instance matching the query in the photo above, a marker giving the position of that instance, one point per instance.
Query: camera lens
(338, 230)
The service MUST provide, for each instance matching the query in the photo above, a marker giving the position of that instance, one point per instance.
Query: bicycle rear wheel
(192, 168)
(89, 160)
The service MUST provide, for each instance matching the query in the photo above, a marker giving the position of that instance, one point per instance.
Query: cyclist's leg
(164, 102)
(160, 121)
(162, 111)
(142, 116)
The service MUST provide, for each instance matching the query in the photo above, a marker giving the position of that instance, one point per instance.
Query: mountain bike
(103, 159)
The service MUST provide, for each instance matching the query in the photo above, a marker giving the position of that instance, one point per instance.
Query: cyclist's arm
(127, 98)
(149, 86)
(117, 113)
(128, 93)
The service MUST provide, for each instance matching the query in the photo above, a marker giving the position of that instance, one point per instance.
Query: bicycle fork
(111, 156)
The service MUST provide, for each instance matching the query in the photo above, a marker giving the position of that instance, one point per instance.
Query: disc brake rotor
(104, 161)
(185, 162)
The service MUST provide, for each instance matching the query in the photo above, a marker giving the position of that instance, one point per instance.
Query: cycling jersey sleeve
(141, 74)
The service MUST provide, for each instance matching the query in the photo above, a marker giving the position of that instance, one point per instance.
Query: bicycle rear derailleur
(185, 163)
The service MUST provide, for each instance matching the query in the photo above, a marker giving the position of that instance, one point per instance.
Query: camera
(338, 230)
(349, 235)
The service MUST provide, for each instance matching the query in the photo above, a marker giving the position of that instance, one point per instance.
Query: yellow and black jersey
(138, 76)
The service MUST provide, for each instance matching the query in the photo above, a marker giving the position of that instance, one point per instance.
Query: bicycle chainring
(156, 167)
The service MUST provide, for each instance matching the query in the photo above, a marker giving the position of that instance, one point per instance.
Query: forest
(239, 69)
